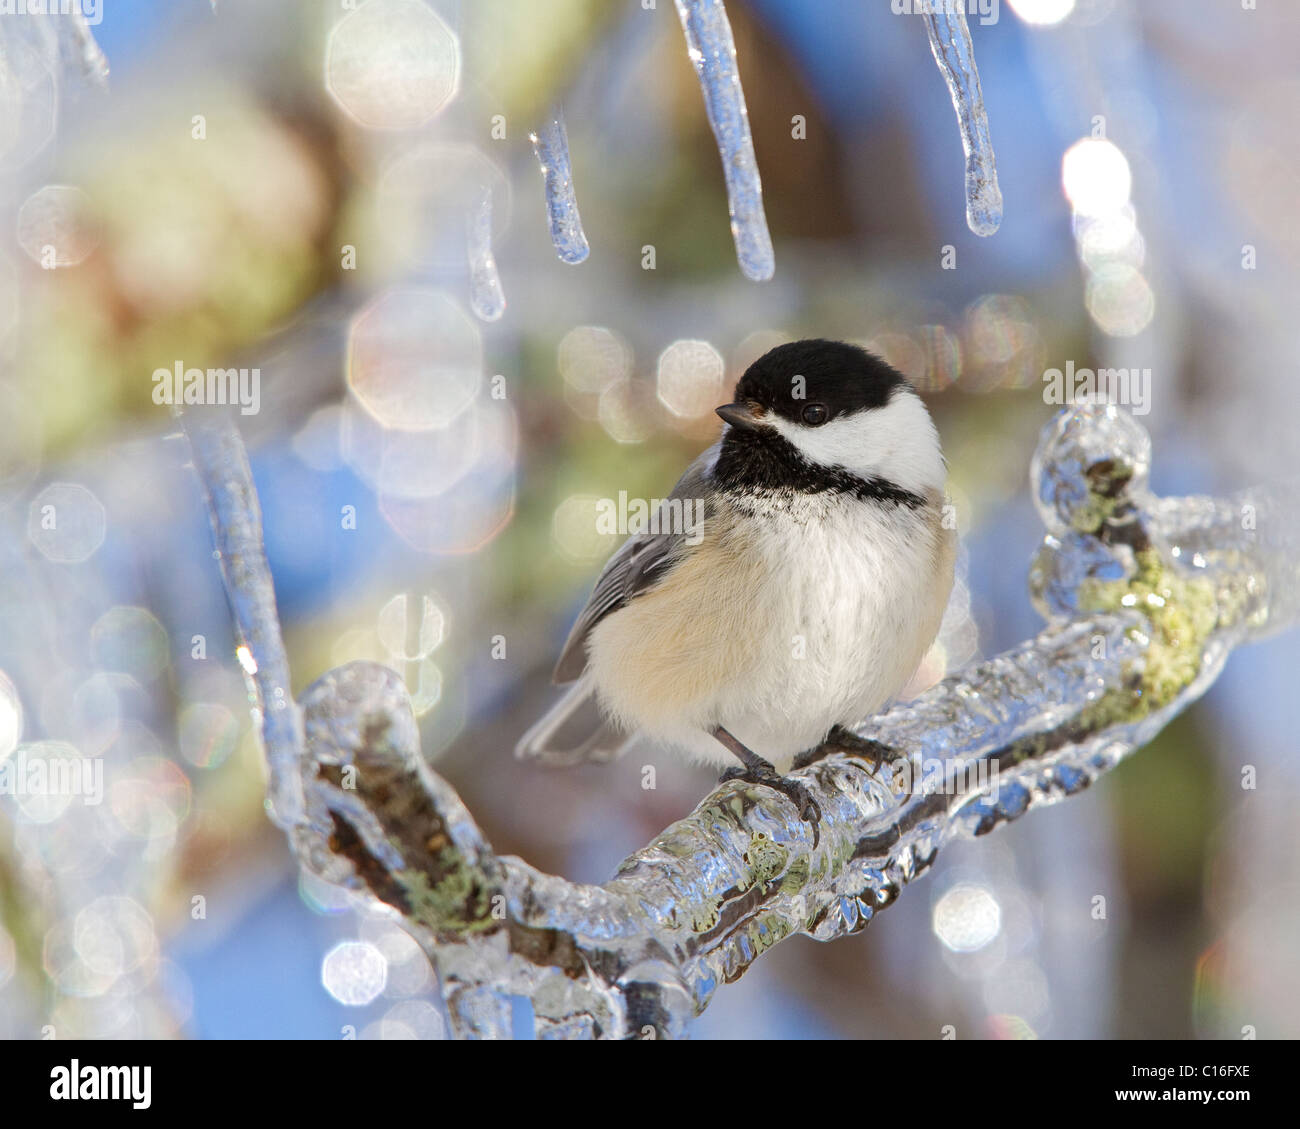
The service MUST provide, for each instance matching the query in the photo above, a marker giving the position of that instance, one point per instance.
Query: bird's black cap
(810, 383)
(844, 377)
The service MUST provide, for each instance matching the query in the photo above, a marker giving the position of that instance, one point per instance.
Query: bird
(801, 601)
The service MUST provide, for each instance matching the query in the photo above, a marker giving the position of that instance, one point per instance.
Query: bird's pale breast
(817, 616)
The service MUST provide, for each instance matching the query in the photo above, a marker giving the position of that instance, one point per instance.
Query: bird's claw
(842, 740)
(794, 790)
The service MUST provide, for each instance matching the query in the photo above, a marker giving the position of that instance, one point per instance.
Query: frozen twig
(1145, 599)
(227, 482)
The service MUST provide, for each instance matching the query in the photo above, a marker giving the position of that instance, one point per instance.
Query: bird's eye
(815, 414)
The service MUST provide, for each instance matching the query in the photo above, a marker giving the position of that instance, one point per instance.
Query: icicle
(485, 293)
(551, 144)
(713, 51)
(93, 60)
(222, 464)
(950, 42)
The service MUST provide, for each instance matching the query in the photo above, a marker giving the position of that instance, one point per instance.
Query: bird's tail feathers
(573, 731)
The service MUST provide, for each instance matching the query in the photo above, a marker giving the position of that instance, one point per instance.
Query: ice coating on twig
(487, 298)
(713, 52)
(551, 144)
(1145, 597)
(236, 517)
(950, 41)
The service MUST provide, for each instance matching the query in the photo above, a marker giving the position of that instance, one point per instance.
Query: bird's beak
(741, 414)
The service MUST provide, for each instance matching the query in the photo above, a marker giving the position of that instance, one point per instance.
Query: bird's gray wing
(640, 562)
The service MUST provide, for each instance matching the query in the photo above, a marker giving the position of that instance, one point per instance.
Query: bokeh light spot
(354, 973)
(753, 346)
(114, 935)
(690, 378)
(207, 733)
(411, 1019)
(966, 918)
(576, 532)
(415, 359)
(66, 967)
(1042, 13)
(407, 640)
(66, 523)
(591, 358)
(426, 197)
(150, 799)
(1120, 300)
(392, 64)
(1096, 177)
(627, 412)
(899, 350)
(47, 776)
(1002, 344)
(54, 226)
(131, 641)
(1110, 238)
(425, 687)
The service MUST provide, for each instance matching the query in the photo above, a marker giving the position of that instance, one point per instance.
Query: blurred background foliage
(263, 187)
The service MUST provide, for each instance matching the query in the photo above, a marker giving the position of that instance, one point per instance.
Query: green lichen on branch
(766, 859)
(1108, 481)
(459, 902)
(444, 889)
(702, 917)
(1181, 611)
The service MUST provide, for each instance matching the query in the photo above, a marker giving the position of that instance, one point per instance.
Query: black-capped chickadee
(804, 599)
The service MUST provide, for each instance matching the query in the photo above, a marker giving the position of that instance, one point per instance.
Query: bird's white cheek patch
(841, 442)
(897, 442)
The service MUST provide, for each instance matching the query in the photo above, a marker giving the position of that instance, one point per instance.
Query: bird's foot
(755, 770)
(841, 740)
(809, 810)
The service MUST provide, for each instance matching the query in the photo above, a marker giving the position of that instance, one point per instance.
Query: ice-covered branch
(236, 515)
(1145, 599)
